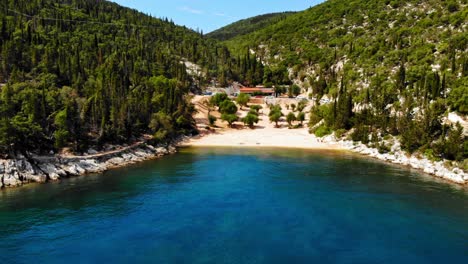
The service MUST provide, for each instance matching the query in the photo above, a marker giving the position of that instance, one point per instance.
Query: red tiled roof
(254, 89)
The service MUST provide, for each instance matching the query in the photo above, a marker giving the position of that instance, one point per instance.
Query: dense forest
(80, 73)
(246, 26)
(388, 67)
(76, 73)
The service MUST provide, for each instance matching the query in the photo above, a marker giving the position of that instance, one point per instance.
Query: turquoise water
(239, 206)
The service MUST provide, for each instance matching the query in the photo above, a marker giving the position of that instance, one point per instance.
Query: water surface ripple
(239, 206)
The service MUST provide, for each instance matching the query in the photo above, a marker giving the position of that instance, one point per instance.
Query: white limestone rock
(116, 161)
(151, 148)
(128, 157)
(429, 169)
(73, 169)
(172, 149)
(28, 173)
(162, 151)
(91, 166)
(12, 179)
(52, 172)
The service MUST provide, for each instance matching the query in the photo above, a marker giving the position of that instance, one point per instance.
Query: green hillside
(75, 73)
(391, 67)
(246, 26)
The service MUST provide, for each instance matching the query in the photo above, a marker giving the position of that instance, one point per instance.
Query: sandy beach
(265, 134)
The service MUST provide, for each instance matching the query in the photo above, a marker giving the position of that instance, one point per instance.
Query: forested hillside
(246, 26)
(81, 72)
(390, 67)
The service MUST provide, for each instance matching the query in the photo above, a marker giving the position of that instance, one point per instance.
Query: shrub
(250, 119)
(275, 114)
(219, 98)
(301, 105)
(322, 131)
(256, 108)
(339, 133)
(301, 117)
(230, 118)
(293, 107)
(212, 119)
(383, 148)
(228, 107)
(290, 118)
(361, 133)
(315, 117)
(243, 99)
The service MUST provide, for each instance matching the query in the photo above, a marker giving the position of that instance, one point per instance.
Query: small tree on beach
(250, 119)
(218, 99)
(293, 107)
(301, 105)
(243, 99)
(257, 108)
(275, 114)
(228, 107)
(230, 118)
(290, 118)
(301, 117)
(211, 119)
(275, 118)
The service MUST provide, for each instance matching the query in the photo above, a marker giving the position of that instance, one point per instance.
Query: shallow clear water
(239, 206)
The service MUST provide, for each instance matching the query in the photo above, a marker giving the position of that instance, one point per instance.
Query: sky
(208, 15)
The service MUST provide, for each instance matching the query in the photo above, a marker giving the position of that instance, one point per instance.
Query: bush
(212, 120)
(412, 136)
(429, 153)
(322, 131)
(228, 107)
(452, 6)
(230, 118)
(293, 107)
(383, 148)
(361, 133)
(339, 133)
(301, 117)
(243, 99)
(250, 119)
(256, 108)
(275, 114)
(455, 146)
(218, 99)
(301, 105)
(290, 118)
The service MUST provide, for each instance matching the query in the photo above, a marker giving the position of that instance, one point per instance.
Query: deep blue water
(239, 206)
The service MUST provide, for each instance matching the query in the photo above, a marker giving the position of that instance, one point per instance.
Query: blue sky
(209, 15)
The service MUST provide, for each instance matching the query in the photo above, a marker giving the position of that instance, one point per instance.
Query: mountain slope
(390, 67)
(246, 26)
(85, 72)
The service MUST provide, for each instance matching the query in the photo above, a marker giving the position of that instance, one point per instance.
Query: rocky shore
(22, 170)
(397, 156)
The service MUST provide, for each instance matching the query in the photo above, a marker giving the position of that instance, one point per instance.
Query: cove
(239, 205)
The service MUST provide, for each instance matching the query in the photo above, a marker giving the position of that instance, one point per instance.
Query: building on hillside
(257, 91)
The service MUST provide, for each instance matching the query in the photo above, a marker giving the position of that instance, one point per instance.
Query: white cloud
(191, 10)
(219, 14)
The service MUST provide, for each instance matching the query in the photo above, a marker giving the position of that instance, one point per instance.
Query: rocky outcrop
(398, 156)
(40, 169)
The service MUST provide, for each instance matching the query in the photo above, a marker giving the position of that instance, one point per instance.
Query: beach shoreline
(40, 169)
(267, 135)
